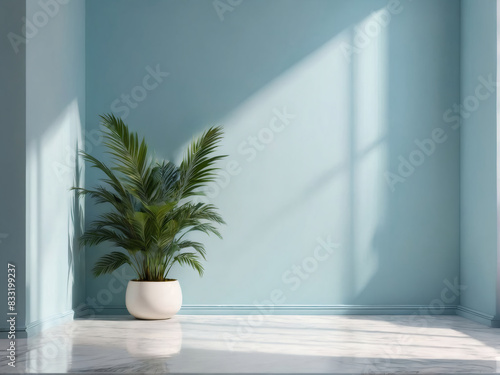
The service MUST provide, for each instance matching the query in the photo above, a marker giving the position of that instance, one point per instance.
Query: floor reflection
(151, 342)
(295, 344)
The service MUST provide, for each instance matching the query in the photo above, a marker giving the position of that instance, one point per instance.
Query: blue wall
(346, 96)
(12, 156)
(55, 107)
(478, 158)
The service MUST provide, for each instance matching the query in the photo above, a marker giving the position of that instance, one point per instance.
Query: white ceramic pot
(153, 299)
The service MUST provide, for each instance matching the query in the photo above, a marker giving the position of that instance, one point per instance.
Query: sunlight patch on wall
(293, 137)
(369, 148)
(51, 172)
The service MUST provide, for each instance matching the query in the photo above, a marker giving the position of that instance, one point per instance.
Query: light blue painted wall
(324, 173)
(12, 157)
(55, 106)
(478, 170)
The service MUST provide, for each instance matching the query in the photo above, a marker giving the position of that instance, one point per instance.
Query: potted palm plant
(149, 212)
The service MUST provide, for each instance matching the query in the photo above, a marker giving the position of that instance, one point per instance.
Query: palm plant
(151, 208)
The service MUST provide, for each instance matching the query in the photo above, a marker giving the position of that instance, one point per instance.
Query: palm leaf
(110, 262)
(167, 176)
(195, 245)
(112, 179)
(197, 167)
(130, 157)
(190, 259)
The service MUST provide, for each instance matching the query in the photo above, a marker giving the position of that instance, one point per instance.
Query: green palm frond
(190, 259)
(195, 245)
(110, 262)
(167, 176)
(190, 215)
(95, 236)
(112, 180)
(198, 167)
(102, 195)
(130, 157)
(143, 214)
(206, 228)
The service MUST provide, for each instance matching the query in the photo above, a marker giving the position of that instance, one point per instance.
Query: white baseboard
(293, 310)
(311, 310)
(478, 316)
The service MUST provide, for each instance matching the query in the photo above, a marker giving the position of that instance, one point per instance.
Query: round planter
(153, 299)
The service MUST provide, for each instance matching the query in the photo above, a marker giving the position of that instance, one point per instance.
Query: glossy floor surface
(262, 344)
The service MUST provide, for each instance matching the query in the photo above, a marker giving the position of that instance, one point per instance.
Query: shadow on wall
(76, 227)
(319, 99)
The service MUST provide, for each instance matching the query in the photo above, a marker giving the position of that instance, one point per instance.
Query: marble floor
(262, 344)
